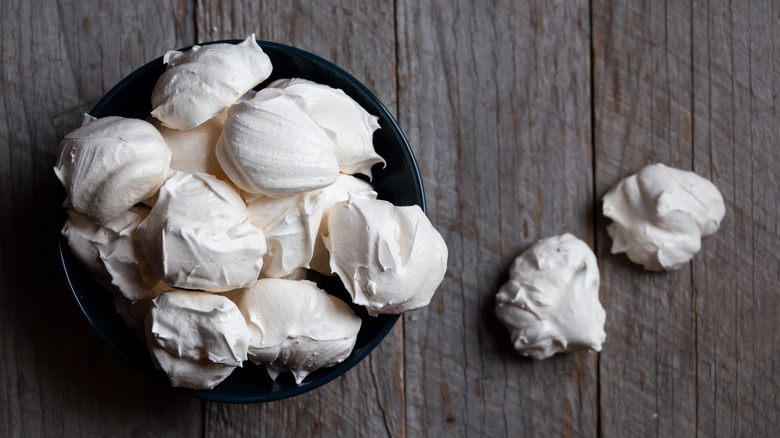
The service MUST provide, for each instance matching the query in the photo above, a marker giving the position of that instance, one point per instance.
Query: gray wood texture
(521, 114)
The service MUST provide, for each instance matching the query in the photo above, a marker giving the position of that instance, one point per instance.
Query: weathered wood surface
(522, 114)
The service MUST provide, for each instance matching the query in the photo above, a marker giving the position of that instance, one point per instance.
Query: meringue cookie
(389, 258)
(354, 127)
(271, 146)
(109, 164)
(551, 302)
(197, 338)
(334, 193)
(194, 150)
(198, 235)
(660, 215)
(290, 226)
(113, 253)
(203, 81)
(295, 326)
(83, 239)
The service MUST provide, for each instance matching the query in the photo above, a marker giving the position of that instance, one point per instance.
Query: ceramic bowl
(399, 182)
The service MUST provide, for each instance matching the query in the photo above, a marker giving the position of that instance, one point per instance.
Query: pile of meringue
(551, 302)
(206, 220)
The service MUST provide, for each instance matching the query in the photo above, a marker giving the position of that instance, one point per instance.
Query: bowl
(399, 182)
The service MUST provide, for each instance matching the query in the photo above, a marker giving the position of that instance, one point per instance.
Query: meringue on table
(660, 215)
(198, 235)
(270, 145)
(551, 302)
(110, 164)
(390, 259)
(295, 326)
(197, 338)
(205, 80)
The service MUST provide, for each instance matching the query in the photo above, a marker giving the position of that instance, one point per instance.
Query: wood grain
(642, 79)
(494, 97)
(691, 85)
(736, 276)
(56, 378)
(359, 37)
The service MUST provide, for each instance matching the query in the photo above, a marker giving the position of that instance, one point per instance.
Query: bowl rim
(340, 369)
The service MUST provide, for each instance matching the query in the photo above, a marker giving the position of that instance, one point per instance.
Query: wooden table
(522, 114)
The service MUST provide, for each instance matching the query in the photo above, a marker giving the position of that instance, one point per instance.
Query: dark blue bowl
(399, 182)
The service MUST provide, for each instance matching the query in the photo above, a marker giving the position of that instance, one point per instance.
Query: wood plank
(736, 276)
(495, 99)
(359, 37)
(57, 378)
(691, 85)
(643, 109)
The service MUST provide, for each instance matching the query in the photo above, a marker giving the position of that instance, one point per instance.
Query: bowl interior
(399, 182)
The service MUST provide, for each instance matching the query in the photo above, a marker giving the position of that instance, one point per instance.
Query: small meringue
(198, 235)
(109, 164)
(205, 80)
(551, 302)
(197, 338)
(660, 215)
(271, 146)
(113, 253)
(335, 111)
(334, 193)
(295, 326)
(290, 226)
(390, 259)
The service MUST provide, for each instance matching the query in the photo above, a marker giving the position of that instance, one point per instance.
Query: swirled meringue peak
(660, 215)
(335, 111)
(109, 164)
(270, 145)
(290, 226)
(194, 150)
(334, 193)
(296, 326)
(389, 258)
(551, 302)
(198, 235)
(197, 338)
(201, 82)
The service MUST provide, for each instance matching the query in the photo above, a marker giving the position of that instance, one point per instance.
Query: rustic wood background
(522, 114)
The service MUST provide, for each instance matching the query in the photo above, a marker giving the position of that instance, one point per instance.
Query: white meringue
(203, 81)
(197, 338)
(84, 238)
(290, 226)
(109, 164)
(271, 146)
(113, 253)
(296, 326)
(660, 215)
(390, 259)
(334, 110)
(198, 235)
(194, 150)
(336, 192)
(551, 302)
